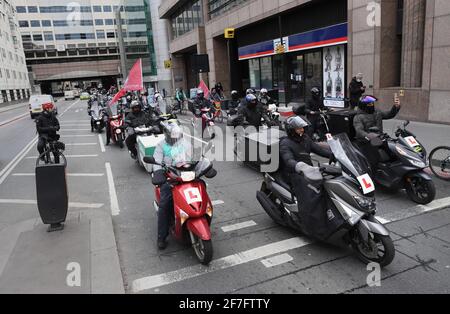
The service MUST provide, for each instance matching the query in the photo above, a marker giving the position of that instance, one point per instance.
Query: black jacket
(252, 115)
(355, 90)
(364, 121)
(315, 105)
(134, 120)
(293, 151)
(47, 125)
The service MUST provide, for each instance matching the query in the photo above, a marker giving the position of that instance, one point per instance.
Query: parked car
(69, 95)
(85, 96)
(76, 93)
(36, 102)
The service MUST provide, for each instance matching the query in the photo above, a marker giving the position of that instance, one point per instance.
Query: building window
(48, 36)
(24, 24)
(7, 74)
(21, 9)
(97, 8)
(51, 53)
(187, 18)
(59, 23)
(32, 9)
(101, 34)
(46, 23)
(85, 9)
(109, 22)
(37, 37)
(35, 23)
(99, 22)
(219, 7)
(54, 9)
(110, 35)
(26, 38)
(107, 8)
(255, 73)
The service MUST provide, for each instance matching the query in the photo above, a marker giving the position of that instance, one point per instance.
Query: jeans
(131, 144)
(165, 212)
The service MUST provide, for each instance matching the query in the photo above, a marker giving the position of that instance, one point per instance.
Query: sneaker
(162, 244)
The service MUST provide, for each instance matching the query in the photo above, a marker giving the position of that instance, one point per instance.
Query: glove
(300, 167)
(159, 178)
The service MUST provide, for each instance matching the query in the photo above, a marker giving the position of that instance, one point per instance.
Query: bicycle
(53, 147)
(440, 162)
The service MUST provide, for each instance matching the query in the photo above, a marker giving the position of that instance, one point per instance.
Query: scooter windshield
(348, 156)
(180, 153)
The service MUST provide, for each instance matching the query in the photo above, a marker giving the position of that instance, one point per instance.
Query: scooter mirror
(406, 123)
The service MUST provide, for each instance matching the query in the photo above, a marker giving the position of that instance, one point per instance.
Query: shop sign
(281, 47)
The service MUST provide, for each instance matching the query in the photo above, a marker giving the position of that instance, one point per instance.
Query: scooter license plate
(211, 124)
(98, 123)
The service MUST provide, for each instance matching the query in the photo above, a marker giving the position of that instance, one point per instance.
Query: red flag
(134, 80)
(204, 88)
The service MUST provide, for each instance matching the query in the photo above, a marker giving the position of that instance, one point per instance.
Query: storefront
(292, 66)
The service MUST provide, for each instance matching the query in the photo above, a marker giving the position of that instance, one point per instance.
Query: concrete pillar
(413, 42)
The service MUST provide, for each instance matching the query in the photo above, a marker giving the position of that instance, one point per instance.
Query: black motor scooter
(402, 164)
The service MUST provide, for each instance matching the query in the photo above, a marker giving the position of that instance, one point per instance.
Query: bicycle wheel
(440, 162)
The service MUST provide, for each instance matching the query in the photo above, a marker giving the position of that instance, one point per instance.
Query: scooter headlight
(118, 131)
(418, 164)
(184, 217)
(366, 203)
(209, 211)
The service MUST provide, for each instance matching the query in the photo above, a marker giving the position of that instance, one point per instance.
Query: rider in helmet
(47, 125)
(252, 112)
(295, 151)
(367, 117)
(136, 118)
(264, 98)
(171, 151)
(313, 108)
(234, 102)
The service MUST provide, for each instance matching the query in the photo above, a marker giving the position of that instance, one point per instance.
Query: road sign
(168, 64)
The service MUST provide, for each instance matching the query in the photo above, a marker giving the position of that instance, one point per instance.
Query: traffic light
(229, 33)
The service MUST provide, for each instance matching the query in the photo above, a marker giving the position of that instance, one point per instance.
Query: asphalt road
(251, 253)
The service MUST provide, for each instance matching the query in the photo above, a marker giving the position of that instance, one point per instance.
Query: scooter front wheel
(420, 191)
(203, 250)
(379, 249)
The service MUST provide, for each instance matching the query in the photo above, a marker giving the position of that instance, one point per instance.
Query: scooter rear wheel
(420, 190)
(203, 250)
(380, 249)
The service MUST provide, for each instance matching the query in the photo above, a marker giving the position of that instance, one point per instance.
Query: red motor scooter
(192, 206)
(117, 129)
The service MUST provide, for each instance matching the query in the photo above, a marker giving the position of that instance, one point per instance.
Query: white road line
(239, 226)
(115, 210)
(82, 144)
(10, 167)
(216, 265)
(383, 221)
(68, 156)
(74, 130)
(87, 175)
(14, 119)
(218, 202)
(102, 146)
(277, 260)
(34, 202)
(65, 135)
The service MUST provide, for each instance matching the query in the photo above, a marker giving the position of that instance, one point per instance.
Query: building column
(413, 42)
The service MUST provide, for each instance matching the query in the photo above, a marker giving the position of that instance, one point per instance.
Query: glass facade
(218, 7)
(186, 19)
(136, 37)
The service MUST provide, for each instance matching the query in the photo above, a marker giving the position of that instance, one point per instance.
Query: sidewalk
(7, 106)
(34, 261)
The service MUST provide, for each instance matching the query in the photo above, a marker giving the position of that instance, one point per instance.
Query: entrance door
(297, 78)
(313, 72)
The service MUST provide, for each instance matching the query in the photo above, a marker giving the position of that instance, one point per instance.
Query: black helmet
(293, 124)
(250, 91)
(300, 110)
(135, 104)
(315, 92)
(367, 103)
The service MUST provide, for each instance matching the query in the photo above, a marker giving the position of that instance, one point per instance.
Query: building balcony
(168, 7)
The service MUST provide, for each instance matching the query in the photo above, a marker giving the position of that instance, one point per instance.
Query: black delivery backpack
(51, 191)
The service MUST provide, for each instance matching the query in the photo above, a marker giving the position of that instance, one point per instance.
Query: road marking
(10, 167)
(102, 146)
(20, 156)
(68, 156)
(239, 226)
(436, 205)
(115, 210)
(87, 175)
(82, 144)
(160, 280)
(3, 123)
(34, 202)
(197, 139)
(65, 135)
(277, 260)
(218, 202)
